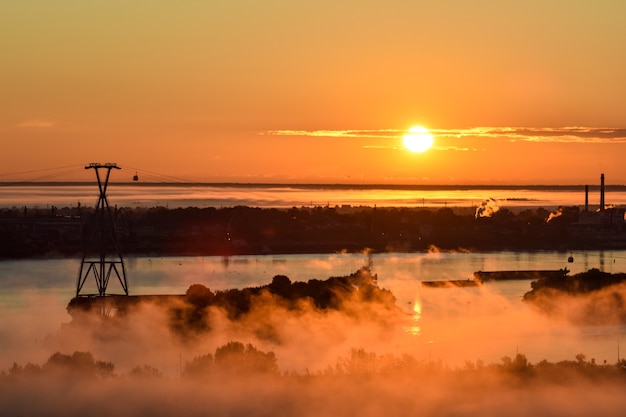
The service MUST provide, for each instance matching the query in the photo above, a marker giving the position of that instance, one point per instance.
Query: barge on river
(532, 274)
(451, 283)
(485, 276)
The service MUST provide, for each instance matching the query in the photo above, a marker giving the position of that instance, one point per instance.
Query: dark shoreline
(242, 230)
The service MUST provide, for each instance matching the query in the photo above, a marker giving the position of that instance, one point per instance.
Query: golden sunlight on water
(415, 329)
(287, 196)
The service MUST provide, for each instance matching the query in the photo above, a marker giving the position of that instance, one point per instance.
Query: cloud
(372, 134)
(574, 134)
(568, 134)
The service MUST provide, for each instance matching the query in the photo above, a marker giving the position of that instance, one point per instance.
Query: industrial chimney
(601, 192)
(586, 199)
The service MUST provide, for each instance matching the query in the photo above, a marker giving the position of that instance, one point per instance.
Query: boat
(532, 274)
(451, 283)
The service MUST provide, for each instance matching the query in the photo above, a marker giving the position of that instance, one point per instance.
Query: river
(453, 325)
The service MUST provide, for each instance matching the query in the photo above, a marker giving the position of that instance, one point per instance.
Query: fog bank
(445, 352)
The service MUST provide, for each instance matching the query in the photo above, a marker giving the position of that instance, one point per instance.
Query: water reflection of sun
(414, 328)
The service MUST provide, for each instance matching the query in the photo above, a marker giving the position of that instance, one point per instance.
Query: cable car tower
(102, 257)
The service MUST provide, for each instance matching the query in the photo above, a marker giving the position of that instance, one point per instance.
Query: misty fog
(450, 351)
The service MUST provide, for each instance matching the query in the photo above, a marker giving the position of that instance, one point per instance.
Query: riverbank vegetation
(239, 379)
(238, 359)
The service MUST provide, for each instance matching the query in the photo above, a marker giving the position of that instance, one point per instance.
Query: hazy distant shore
(275, 195)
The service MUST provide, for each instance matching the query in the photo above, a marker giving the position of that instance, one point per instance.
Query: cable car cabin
(135, 177)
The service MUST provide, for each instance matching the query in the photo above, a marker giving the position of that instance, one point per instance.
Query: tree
(201, 366)
(233, 357)
(79, 363)
(145, 371)
(519, 364)
(199, 295)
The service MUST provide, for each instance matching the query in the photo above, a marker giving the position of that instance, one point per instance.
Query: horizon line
(307, 184)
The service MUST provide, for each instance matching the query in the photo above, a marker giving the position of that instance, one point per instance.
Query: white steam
(487, 208)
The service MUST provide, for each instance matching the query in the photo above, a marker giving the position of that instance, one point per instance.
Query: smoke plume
(554, 214)
(487, 208)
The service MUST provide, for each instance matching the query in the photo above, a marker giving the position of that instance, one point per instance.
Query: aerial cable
(57, 175)
(589, 254)
(158, 176)
(6, 174)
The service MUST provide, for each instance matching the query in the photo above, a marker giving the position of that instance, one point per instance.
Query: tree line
(243, 360)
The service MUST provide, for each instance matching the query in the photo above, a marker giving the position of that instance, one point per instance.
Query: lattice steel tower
(102, 257)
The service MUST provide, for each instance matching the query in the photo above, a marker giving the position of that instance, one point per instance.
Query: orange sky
(264, 91)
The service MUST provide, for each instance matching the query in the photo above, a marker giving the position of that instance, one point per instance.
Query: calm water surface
(400, 272)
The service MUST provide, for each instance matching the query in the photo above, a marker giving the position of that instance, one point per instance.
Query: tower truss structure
(102, 258)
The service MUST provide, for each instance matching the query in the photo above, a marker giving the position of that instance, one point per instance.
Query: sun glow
(418, 139)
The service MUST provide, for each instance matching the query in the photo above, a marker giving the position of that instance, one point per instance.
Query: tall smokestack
(601, 192)
(586, 199)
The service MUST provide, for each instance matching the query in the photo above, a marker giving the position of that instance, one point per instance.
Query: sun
(418, 139)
